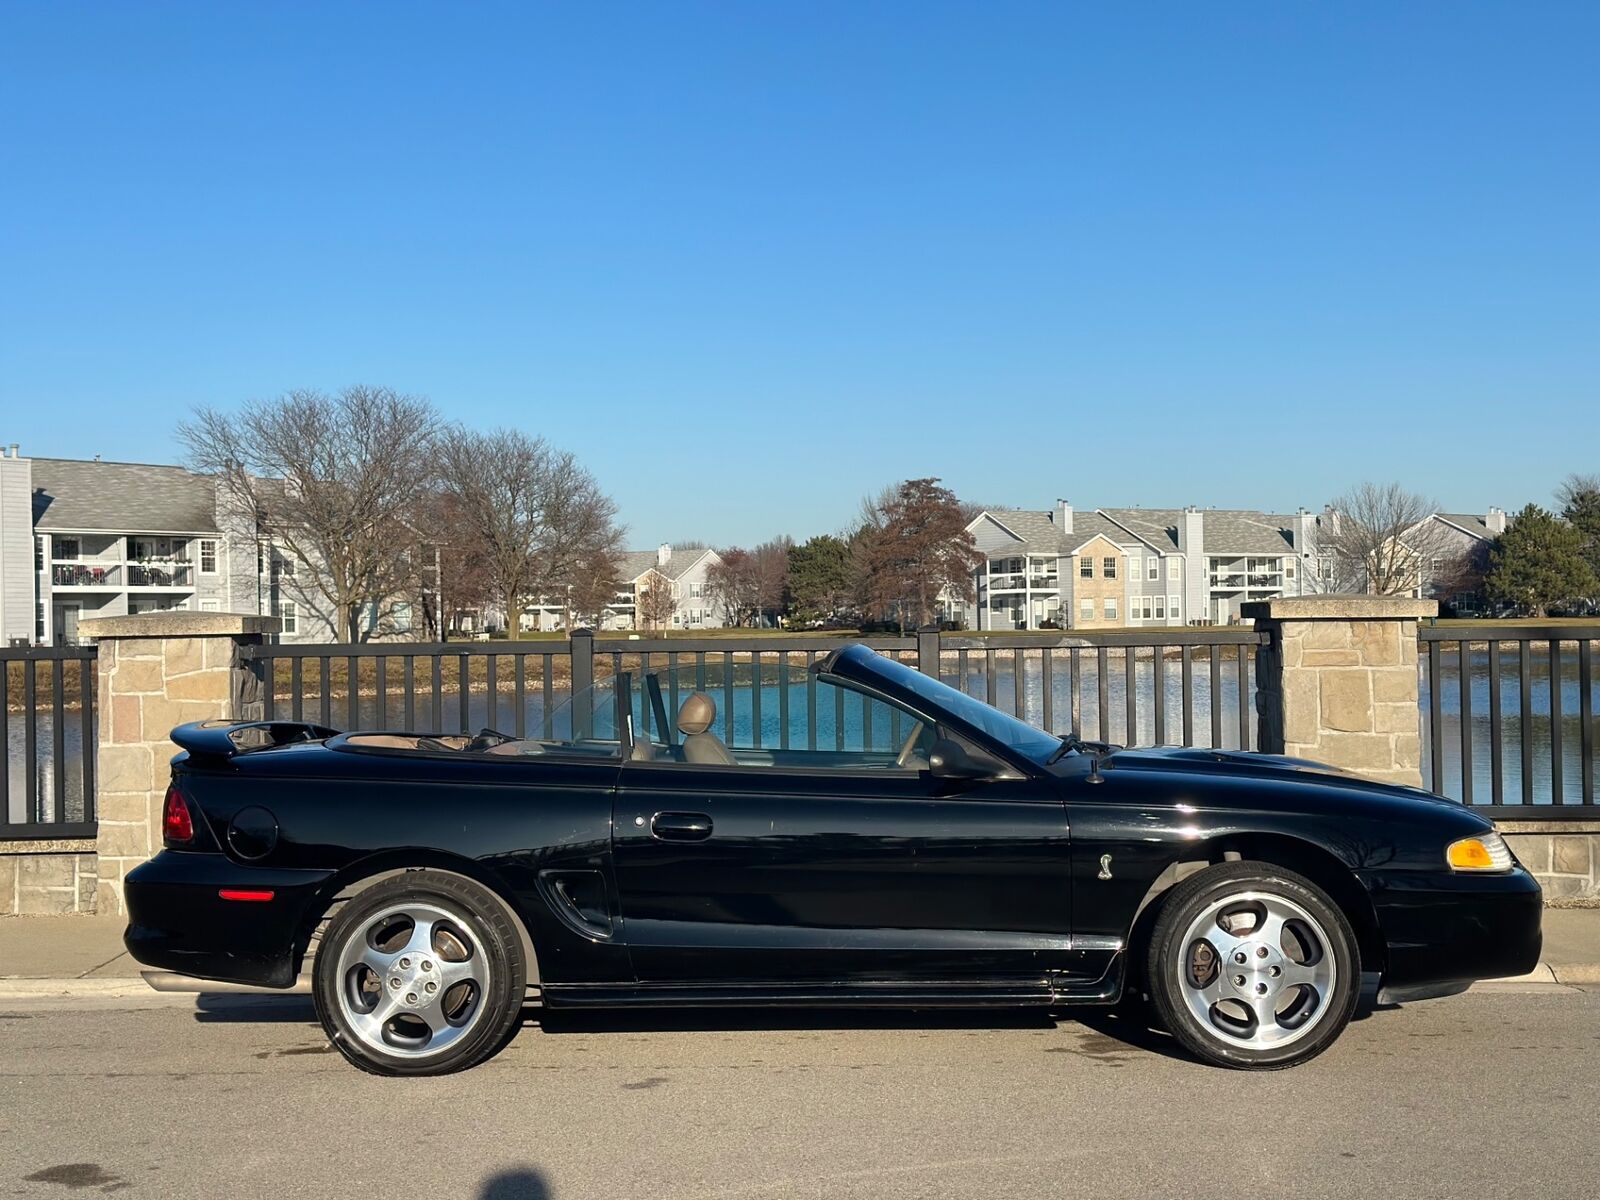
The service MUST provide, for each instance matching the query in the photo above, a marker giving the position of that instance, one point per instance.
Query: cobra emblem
(1105, 867)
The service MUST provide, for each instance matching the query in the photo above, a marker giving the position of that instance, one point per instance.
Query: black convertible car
(633, 858)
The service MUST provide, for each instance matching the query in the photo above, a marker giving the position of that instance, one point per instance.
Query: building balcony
(1007, 582)
(1044, 583)
(85, 575)
(169, 575)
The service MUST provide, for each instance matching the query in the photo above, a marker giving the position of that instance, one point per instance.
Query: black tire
(1169, 961)
(497, 1007)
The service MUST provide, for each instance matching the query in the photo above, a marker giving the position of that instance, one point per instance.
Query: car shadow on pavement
(233, 1008)
(519, 1183)
(746, 1020)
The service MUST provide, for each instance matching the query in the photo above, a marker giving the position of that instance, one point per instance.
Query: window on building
(282, 564)
(38, 554)
(1086, 610)
(401, 616)
(261, 559)
(1108, 567)
(1161, 609)
(1111, 608)
(1085, 567)
(1172, 567)
(289, 614)
(696, 590)
(38, 621)
(1172, 608)
(209, 606)
(1152, 568)
(1144, 609)
(68, 548)
(208, 556)
(1288, 568)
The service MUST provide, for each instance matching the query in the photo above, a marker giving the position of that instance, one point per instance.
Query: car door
(793, 868)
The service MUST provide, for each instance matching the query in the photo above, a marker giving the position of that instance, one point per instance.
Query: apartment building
(1111, 567)
(86, 538)
(682, 572)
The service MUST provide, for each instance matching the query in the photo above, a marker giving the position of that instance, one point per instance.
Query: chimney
(1304, 531)
(14, 450)
(1495, 519)
(1192, 531)
(663, 554)
(1064, 516)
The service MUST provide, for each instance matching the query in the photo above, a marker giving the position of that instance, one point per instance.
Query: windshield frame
(1010, 736)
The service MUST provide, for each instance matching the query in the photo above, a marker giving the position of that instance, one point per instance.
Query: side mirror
(950, 760)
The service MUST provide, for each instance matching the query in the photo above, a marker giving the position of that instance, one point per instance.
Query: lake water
(850, 729)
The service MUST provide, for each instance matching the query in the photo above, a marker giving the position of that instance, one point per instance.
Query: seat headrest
(697, 715)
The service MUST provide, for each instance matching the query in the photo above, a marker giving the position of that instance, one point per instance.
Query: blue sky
(752, 261)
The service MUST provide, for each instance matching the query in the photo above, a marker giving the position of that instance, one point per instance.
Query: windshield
(1032, 743)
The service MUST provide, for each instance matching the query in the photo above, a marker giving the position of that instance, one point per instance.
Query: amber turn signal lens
(1487, 852)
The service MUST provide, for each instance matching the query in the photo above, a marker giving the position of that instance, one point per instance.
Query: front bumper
(1443, 929)
(177, 921)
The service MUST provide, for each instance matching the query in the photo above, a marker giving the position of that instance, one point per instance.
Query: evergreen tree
(1539, 562)
(820, 580)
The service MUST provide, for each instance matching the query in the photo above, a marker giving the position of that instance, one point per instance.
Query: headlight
(1486, 852)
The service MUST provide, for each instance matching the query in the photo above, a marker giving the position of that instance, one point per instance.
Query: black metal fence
(1190, 686)
(47, 723)
(1510, 716)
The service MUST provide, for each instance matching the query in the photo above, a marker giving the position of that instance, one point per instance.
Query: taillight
(177, 826)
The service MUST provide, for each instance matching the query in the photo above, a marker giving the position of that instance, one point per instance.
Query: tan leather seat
(695, 718)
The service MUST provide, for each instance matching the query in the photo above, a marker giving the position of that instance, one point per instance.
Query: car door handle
(680, 826)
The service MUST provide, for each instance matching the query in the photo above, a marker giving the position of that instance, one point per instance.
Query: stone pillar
(1337, 682)
(156, 670)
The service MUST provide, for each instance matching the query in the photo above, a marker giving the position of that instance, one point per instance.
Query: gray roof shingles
(74, 494)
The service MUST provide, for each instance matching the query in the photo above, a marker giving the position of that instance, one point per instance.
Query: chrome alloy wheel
(412, 982)
(1257, 970)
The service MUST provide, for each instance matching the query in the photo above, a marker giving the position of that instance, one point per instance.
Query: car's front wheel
(1252, 966)
(422, 974)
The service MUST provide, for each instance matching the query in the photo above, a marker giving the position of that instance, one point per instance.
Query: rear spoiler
(221, 740)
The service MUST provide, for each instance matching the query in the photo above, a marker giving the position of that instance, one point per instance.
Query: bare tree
(655, 603)
(593, 588)
(339, 482)
(1383, 541)
(735, 584)
(529, 512)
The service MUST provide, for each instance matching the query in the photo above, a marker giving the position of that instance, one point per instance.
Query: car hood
(1265, 775)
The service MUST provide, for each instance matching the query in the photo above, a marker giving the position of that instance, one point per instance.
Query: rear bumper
(177, 921)
(1443, 929)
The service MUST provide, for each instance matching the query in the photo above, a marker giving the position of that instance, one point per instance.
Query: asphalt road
(1492, 1093)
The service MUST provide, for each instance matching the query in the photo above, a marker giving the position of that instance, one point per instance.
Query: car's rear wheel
(422, 974)
(1252, 966)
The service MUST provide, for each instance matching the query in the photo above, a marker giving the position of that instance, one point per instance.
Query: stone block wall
(1337, 682)
(48, 878)
(1565, 855)
(156, 671)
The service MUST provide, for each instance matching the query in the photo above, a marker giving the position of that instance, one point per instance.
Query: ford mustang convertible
(631, 857)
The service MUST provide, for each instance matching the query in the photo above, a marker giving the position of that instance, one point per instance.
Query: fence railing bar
(1102, 679)
(519, 703)
(1464, 683)
(1019, 671)
(1245, 696)
(58, 737)
(1435, 721)
(326, 682)
(548, 717)
(438, 694)
(1047, 687)
(1586, 719)
(811, 704)
(1188, 695)
(352, 687)
(755, 697)
(1497, 785)
(1557, 782)
(5, 736)
(30, 751)
(1216, 697)
(1158, 666)
(991, 680)
(381, 689)
(88, 699)
(464, 678)
(783, 700)
(408, 680)
(1525, 716)
(296, 688)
